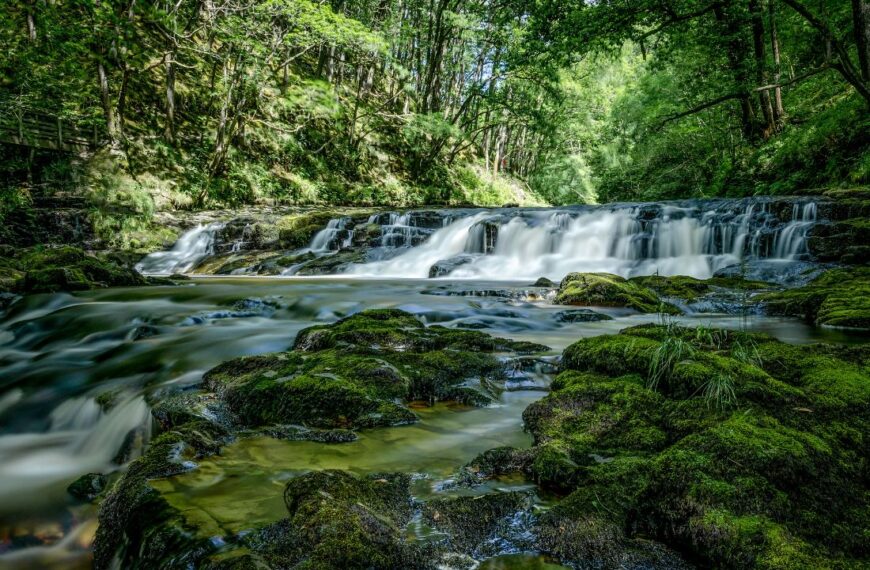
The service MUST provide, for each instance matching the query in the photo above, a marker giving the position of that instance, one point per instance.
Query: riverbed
(61, 353)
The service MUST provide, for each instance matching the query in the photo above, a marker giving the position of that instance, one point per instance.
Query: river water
(59, 353)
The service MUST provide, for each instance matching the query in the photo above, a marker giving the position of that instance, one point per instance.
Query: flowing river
(61, 353)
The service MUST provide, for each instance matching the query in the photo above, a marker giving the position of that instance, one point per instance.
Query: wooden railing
(46, 132)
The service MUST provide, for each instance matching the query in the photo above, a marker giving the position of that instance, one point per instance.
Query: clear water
(59, 352)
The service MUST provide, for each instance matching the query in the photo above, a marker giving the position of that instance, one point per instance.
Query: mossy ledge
(65, 268)
(357, 372)
(734, 449)
(606, 290)
(838, 298)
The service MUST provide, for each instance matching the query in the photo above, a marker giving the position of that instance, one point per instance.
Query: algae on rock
(351, 374)
(606, 290)
(774, 479)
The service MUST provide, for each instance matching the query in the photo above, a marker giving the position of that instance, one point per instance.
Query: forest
(434, 284)
(196, 103)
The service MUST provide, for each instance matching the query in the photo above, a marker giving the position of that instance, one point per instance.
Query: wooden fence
(46, 132)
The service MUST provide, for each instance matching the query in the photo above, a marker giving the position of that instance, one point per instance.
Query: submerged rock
(581, 316)
(606, 290)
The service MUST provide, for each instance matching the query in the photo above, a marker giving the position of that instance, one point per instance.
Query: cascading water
(333, 237)
(625, 240)
(191, 248)
(791, 243)
(80, 438)
(694, 238)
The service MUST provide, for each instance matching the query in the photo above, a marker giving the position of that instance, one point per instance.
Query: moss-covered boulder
(297, 230)
(606, 290)
(66, 268)
(339, 520)
(692, 289)
(484, 525)
(138, 528)
(355, 373)
(846, 241)
(837, 298)
(739, 450)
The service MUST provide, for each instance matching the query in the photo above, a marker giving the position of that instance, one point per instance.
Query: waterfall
(333, 237)
(791, 242)
(191, 248)
(695, 239)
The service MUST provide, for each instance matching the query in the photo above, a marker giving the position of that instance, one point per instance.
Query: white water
(191, 248)
(684, 241)
(695, 240)
(791, 242)
(37, 466)
(333, 237)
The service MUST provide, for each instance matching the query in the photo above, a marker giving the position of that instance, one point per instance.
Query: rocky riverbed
(588, 419)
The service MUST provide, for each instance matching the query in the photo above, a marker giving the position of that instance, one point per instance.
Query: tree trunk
(761, 67)
(778, 110)
(861, 19)
(844, 64)
(736, 54)
(106, 101)
(31, 23)
(169, 130)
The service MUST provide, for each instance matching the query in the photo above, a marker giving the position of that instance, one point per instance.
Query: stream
(61, 353)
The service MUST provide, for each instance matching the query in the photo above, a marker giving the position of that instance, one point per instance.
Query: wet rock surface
(65, 268)
(683, 449)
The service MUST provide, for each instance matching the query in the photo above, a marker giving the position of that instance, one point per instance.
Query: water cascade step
(696, 238)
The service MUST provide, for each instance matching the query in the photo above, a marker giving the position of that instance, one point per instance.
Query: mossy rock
(351, 374)
(606, 290)
(138, 528)
(773, 477)
(297, 230)
(838, 298)
(692, 289)
(476, 523)
(66, 268)
(11, 279)
(339, 520)
(332, 263)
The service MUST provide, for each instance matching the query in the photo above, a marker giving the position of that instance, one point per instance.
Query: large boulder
(738, 450)
(606, 290)
(838, 298)
(355, 373)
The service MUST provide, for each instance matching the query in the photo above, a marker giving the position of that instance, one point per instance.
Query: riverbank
(424, 403)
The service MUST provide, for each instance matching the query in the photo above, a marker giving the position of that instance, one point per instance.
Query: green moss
(297, 230)
(691, 289)
(775, 480)
(138, 528)
(338, 520)
(65, 268)
(604, 289)
(351, 374)
(471, 521)
(837, 298)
